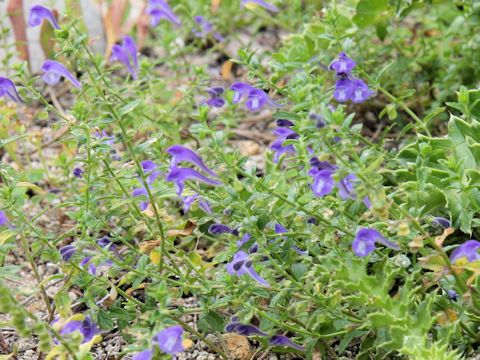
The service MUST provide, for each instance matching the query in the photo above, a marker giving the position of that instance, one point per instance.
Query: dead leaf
(440, 239)
(187, 230)
(112, 22)
(129, 291)
(215, 5)
(187, 344)
(416, 244)
(226, 70)
(147, 246)
(15, 13)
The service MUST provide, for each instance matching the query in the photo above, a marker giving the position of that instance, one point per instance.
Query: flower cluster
(347, 87)
(205, 29)
(178, 175)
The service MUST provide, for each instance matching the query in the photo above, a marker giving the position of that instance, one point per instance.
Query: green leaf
(211, 321)
(368, 11)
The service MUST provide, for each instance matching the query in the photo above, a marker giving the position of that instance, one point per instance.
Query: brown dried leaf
(129, 291)
(112, 22)
(147, 246)
(440, 239)
(15, 13)
(215, 5)
(416, 244)
(187, 230)
(226, 70)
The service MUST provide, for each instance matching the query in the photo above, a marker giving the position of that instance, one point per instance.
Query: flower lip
(53, 71)
(170, 340)
(8, 89)
(468, 250)
(38, 13)
(281, 340)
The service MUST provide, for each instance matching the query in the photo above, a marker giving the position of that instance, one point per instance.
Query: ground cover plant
(245, 180)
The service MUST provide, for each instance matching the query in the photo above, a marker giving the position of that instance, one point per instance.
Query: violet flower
(282, 340)
(78, 172)
(38, 13)
(320, 120)
(256, 98)
(67, 252)
(262, 3)
(347, 87)
(346, 189)
(105, 138)
(452, 295)
(245, 238)
(159, 10)
(179, 175)
(243, 329)
(92, 269)
(205, 29)
(53, 71)
(241, 264)
(216, 229)
(180, 153)
(215, 97)
(322, 181)
(342, 65)
(151, 173)
(8, 90)
(3, 218)
(284, 123)
(202, 203)
(441, 222)
(127, 55)
(365, 239)
(283, 134)
(321, 165)
(280, 229)
(168, 340)
(86, 327)
(468, 249)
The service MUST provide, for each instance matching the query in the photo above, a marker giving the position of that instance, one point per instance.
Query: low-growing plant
(354, 231)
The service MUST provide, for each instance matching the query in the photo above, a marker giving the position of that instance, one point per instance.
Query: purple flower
(105, 138)
(127, 55)
(345, 187)
(92, 269)
(321, 165)
(241, 264)
(441, 222)
(322, 181)
(283, 134)
(8, 89)
(319, 119)
(78, 172)
(360, 91)
(216, 229)
(468, 249)
(202, 203)
(242, 329)
(180, 153)
(281, 340)
(215, 97)
(365, 239)
(54, 70)
(3, 218)
(343, 90)
(452, 295)
(67, 252)
(245, 238)
(256, 98)
(179, 175)
(159, 10)
(262, 3)
(206, 28)
(144, 355)
(285, 123)
(38, 13)
(170, 340)
(280, 229)
(342, 65)
(87, 328)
